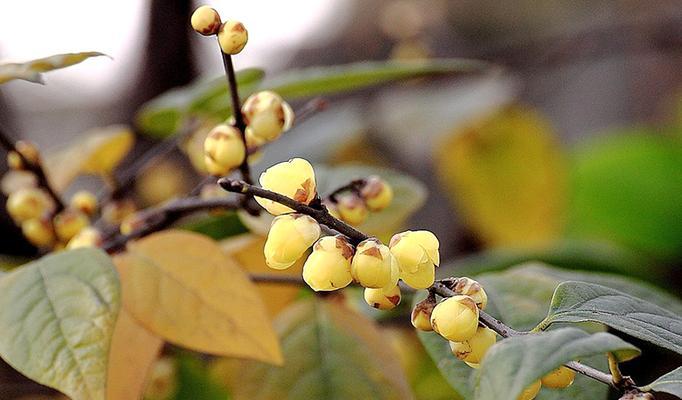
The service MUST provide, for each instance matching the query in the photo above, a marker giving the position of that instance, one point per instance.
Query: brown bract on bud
(421, 314)
(84, 201)
(473, 289)
(232, 37)
(206, 21)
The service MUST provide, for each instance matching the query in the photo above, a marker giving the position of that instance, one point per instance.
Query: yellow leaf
(247, 251)
(31, 70)
(507, 176)
(181, 286)
(99, 152)
(133, 351)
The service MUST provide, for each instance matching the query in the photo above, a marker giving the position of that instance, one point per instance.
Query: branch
(278, 279)
(237, 112)
(35, 168)
(321, 215)
(161, 217)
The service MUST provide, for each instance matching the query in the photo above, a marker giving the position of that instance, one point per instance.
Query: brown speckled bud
(206, 21)
(232, 37)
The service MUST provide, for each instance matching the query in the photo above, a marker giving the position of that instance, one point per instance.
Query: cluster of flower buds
(456, 319)
(33, 209)
(232, 35)
(334, 262)
(353, 204)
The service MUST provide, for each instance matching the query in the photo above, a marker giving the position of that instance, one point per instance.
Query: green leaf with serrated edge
(57, 317)
(580, 302)
(206, 98)
(668, 383)
(32, 70)
(513, 364)
(164, 115)
(408, 194)
(330, 352)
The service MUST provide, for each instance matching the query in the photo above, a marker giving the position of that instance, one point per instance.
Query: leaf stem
(35, 168)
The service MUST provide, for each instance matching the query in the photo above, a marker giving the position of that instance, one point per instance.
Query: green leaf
(624, 191)
(217, 227)
(408, 194)
(57, 318)
(194, 381)
(32, 70)
(580, 302)
(330, 353)
(318, 81)
(514, 363)
(164, 115)
(668, 383)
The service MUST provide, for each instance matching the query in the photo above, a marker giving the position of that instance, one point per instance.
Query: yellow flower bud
(14, 161)
(114, 212)
(266, 115)
(377, 193)
(84, 201)
(374, 266)
(328, 267)
(29, 203)
(290, 236)
(28, 150)
(352, 209)
(38, 231)
(69, 223)
(224, 150)
(421, 314)
(383, 298)
(417, 255)
(455, 318)
(474, 349)
(232, 37)
(560, 378)
(294, 178)
(88, 237)
(473, 289)
(530, 392)
(206, 20)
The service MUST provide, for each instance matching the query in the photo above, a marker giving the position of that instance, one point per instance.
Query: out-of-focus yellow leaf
(32, 70)
(133, 351)
(507, 176)
(181, 286)
(247, 251)
(330, 352)
(98, 152)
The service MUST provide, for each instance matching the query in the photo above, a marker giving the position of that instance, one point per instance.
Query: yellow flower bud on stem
(383, 298)
(455, 318)
(421, 313)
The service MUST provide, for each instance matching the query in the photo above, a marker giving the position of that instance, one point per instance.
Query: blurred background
(569, 152)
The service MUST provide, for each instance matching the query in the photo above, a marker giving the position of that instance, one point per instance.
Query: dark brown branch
(155, 219)
(319, 214)
(278, 279)
(35, 168)
(239, 122)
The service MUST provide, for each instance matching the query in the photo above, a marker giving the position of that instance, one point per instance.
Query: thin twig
(161, 217)
(35, 168)
(239, 122)
(278, 279)
(319, 214)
